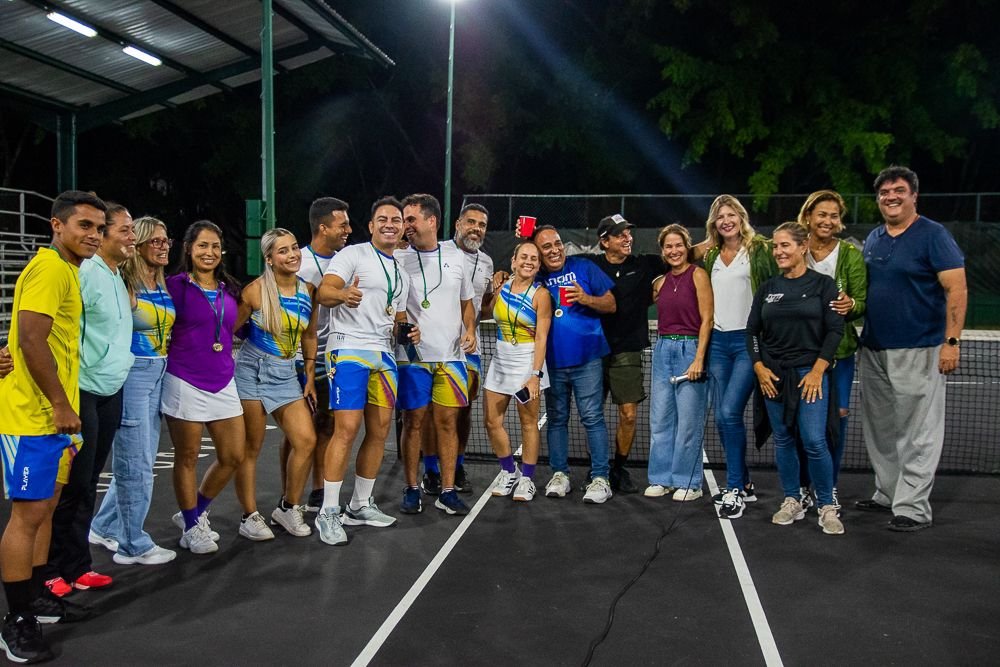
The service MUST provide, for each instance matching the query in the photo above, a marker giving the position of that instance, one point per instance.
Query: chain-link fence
(973, 219)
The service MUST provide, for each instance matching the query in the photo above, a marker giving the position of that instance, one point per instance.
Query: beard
(468, 243)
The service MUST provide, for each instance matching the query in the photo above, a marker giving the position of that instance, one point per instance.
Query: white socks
(331, 493)
(362, 492)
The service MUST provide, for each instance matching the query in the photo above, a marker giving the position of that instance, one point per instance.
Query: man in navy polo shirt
(916, 308)
(576, 347)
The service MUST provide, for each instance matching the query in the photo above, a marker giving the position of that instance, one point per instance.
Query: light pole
(447, 146)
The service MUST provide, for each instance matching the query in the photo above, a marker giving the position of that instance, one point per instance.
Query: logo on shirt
(773, 298)
(564, 279)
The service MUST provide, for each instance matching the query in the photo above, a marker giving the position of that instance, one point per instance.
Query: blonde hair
(746, 231)
(270, 303)
(818, 197)
(134, 268)
(680, 231)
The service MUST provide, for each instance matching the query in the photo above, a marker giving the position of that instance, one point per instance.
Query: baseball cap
(613, 225)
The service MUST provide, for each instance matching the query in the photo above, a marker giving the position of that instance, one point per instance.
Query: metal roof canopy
(205, 46)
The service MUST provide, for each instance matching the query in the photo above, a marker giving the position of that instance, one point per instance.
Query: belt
(677, 337)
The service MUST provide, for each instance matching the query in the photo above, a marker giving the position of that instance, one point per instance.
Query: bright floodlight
(143, 56)
(73, 25)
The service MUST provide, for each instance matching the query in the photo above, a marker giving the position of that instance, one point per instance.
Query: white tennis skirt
(511, 367)
(183, 400)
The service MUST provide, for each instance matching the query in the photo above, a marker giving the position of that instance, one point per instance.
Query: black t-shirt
(791, 322)
(627, 329)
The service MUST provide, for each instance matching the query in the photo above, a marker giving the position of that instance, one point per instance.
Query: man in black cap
(627, 332)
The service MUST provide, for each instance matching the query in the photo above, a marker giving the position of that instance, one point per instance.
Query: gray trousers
(902, 414)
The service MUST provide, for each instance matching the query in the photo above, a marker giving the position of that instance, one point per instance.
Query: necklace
(675, 280)
(160, 330)
(390, 292)
(512, 323)
(426, 303)
(218, 310)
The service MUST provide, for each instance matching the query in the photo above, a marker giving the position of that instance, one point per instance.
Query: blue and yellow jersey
(295, 313)
(152, 319)
(515, 315)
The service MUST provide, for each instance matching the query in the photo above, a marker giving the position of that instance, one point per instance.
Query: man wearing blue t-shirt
(581, 294)
(916, 308)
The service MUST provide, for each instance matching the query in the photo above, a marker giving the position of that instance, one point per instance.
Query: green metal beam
(110, 111)
(267, 112)
(323, 9)
(35, 99)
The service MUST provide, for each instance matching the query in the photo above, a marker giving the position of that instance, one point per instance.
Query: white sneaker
(685, 495)
(155, 556)
(525, 490)
(598, 491)
(197, 539)
(106, 542)
(505, 482)
(178, 520)
(829, 522)
(658, 491)
(369, 515)
(331, 530)
(293, 520)
(558, 486)
(255, 528)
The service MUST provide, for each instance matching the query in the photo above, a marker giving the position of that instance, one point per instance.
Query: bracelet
(852, 302)
(308, 358)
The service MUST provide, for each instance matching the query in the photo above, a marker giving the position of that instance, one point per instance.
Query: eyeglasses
(160, 243)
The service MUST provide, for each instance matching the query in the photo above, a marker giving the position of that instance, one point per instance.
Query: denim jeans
(842, 377)
(586, 383)
(127, 501)
(676, 417)
(811, 420)
(732, 378)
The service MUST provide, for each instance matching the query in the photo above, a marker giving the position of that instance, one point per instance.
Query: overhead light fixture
(72, 24)
(139, 54)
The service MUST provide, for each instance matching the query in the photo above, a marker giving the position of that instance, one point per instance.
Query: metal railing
(18, 207)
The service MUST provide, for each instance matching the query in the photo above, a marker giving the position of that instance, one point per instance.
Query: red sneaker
(58, 587)
(92, 580)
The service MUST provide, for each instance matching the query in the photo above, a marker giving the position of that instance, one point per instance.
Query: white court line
(390, 623)
(760, 625)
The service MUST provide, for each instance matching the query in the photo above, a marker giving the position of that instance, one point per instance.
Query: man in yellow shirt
(39, 417)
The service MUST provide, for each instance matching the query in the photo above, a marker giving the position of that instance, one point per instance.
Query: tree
(834, 91)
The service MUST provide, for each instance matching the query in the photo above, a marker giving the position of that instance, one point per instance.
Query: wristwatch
(539, 373)
(954, 342)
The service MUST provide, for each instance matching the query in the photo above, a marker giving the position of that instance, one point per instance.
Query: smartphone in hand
(522, 395)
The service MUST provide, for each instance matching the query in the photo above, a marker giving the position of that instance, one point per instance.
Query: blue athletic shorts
(364, 376)
(442, 382)
(32, 464)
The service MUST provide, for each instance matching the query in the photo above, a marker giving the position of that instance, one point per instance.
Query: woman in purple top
(684, 306)
(198, 388)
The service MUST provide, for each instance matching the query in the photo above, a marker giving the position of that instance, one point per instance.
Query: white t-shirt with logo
(369, 326)
(444, 283)
(479, 266)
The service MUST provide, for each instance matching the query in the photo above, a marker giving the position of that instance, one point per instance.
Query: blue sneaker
(449, 502)
(411, 501)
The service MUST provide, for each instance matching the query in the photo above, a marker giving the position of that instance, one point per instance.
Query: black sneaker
(732, 504)
(904, 524)
(431, 483)
(621, 481)
(806, 498)
(462, 483)
(871, 506)
(315, 502)
(450, 503)
(748, 494)
(22, 640)
(48, 608)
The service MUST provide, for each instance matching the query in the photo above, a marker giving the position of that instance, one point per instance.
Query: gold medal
(217, 347)
(388, 310)
(559, 312)
(425, 304)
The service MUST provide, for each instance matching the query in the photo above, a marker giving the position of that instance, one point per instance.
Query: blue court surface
(637, 581)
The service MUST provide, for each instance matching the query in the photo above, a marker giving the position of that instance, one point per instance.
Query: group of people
(102, 344)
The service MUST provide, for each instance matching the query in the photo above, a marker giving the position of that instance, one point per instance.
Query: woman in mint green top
(822, 215)
(123, 511)
(280, 310)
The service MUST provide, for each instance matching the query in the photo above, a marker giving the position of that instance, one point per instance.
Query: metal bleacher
(23, 223)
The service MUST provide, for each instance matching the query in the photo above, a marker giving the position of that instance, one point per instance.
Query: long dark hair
(220, 273)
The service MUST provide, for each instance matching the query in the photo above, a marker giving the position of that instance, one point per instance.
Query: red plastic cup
(525, 226)
(564, 296)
